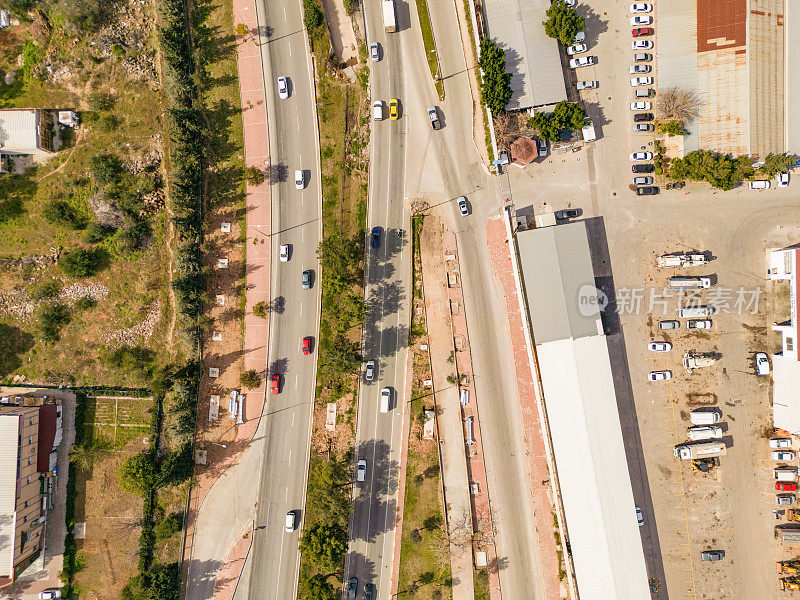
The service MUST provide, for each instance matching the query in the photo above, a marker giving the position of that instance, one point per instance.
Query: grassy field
(430, 45)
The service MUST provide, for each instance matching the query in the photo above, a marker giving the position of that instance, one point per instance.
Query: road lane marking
(292, 420)
(286, 495)
(290, 462)
(301, 309)
(296, 381)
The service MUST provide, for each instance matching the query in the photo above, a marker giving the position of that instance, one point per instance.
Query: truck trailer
(689, 451)
(787, 534)
(689, 283)
(675, 261)
(696, 360)
(389, 18)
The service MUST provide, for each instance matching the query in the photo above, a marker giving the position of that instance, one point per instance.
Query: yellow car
(394, 109)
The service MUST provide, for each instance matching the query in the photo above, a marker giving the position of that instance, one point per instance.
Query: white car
(577, 49)
(580, 37)
(640, 127)
(49, 594)
(699, 324)
(639, 516)
(641, 7)
(659, 346)
(759, 184)
(570, 3)
(369, 373)
(284, 255)
(641, 105)
(782, 455)
(374, 52)
(581, 61)
(641, 81)
(283, 88)
(640, 20)
(780, 443)
(299, 179)
(463, 207)
(783, 179)
(361, 470)
(587, 85)
(641, 156)
(659, 375)
(290, 524)
(642, 45)
(633, 69)
(762, 364)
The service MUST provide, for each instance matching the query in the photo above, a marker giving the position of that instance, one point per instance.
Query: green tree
(81, 263)
(177, 466)
(350, 6)
(325, 544)
(47, 289)
(565, 116)
(342, 355)
(165, 581)
(495, 82)
(318, 588)
(313, 18)
(546, 126)
(136, 474)
(776, 163)
(250, 379)
(59, 212)
(254, 175)
(328, 490)
(169, 525)
(106, 168)
(261, 309)
(722, 171)
(671, 128)
(53, 317)
(97, 232)
(563, 23)
(131, 360)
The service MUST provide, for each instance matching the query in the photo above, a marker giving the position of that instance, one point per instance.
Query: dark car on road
(647, 190)
(643, 168)
(369, 591)
(569, 213)
(306, 281)
(676, 185)
(352, 588)
(375, 237)
(639, 117)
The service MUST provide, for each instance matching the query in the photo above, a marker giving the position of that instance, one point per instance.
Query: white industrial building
(783, 266)
(580, 401)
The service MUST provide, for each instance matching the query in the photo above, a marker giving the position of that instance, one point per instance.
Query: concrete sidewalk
(458, 510)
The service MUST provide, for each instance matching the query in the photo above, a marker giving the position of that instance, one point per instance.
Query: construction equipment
(704, 465)
(793, 515)
(789, 567)
(696, 360)
(790, 583)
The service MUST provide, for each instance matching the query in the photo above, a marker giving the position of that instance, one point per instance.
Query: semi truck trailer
(689, 451)
(389, 18)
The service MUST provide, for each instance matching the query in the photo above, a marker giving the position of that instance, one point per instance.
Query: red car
(307, 345)
(276, 384)
(783, 486)
(642, 31)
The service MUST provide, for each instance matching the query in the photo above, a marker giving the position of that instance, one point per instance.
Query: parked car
(712, 555)
(759, 184)
(659, 375)
(463, 207)
(641, 7)
(568, 213)
(659, 346)
(394, 109)
(644, 93)
(641, 117)
(377, 110)
(641, 156)
(642, 31)
(643, 180)
(676, 185)
(352, 588)
(640, 105)
(283, 88)
(762, 364)
(669, 324)
(785, 486)
(369, 371)
(306, 279)
(369, 591)
(782, 455)
(698, 324)
(361, 470)
(581, 61)
(643, 168)
(308, 342)
(577, 49)
(780, 443)
(785, 499)
(641, 81)
(541, 146)
(639, 516)
(375, 237)
(641, 20)
(580, 37)
(433, 115)
(587, 85)
(284, 253)
(647, 190)
(642, 45)
(642, 57)
(783, 179)
(640, 68)
(375, 51)
(49, 594)
(643, 127)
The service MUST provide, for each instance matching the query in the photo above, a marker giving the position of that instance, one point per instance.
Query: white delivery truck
(704, 416)
(694, 312)
(689, 283)
(389, 19)
(786, 474)
(704, 432)
(588, 132)
(691, 451)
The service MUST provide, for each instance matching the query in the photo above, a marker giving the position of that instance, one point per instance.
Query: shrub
(261, 310)
(319, 588)
(495, 82)
(59, 212)
(132, 360)
(106, 168)
(250, 379)
(169, 525)
(133, 237)
(136, 474)
(53, 318)
(325, 544)
(313, 18)
(177, 466)
(47, 289)
(671, 128)
(350, 6)
(100, 101)
(81, 263)
(97, 232)
(254, 175)
(563, 23)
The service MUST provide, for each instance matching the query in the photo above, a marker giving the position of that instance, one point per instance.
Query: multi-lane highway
(293, 144)
(387, 285)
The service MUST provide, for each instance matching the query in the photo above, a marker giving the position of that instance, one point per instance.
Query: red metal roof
(721, 24)
(47, 433)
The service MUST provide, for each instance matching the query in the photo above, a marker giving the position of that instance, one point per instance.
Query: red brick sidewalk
(257, 249)
(231, 569)
(538, 475)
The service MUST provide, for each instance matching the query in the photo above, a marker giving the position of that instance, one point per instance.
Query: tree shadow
(374, 501)
(13, 342)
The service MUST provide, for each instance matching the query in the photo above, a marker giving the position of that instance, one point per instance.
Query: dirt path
(343, 38)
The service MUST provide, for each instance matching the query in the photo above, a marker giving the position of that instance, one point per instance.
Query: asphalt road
(385, 337)
(293, 141)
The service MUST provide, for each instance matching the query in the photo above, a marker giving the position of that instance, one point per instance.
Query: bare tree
(505, 129)
(679, 104)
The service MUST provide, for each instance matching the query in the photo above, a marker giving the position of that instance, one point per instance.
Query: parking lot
(731, 507)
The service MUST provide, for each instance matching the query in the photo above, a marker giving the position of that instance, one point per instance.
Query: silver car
(374, 52)
(361, 470)
(369, 373)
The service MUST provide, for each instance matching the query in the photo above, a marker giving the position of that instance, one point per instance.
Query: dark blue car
(375, 238)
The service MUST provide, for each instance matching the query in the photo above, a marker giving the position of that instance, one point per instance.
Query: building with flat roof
(26, 131)
(532, 58)
(580, 401)
(783, 265)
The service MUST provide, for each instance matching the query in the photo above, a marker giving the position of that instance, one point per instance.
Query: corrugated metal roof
(18, 130)
(792, 77)
(9, 449)
(556, 267)
(532, 57)
(785, 402)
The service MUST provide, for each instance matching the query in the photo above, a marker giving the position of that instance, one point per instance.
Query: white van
(704, 416)
(377, 110)
(786, 474)
(386, 400)
(759, 184)
(692, 312)
(704, 433)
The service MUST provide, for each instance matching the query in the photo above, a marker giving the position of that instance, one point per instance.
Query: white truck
(696, 360)
(690, 451)
(704, 416)
(588, 132)
(674, 261)
(704, 432)
(389, 18)
(689, 283)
